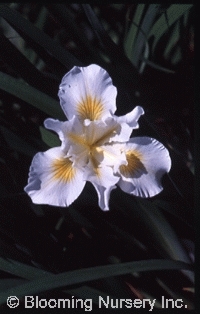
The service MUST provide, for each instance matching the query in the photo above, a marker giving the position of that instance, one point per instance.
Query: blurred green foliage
(140, 247)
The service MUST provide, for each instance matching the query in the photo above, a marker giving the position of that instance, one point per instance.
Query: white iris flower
(95, 146)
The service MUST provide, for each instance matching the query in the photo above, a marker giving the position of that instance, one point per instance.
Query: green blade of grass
(21, 270)
(50, 282)
(39, 37)
(67, 19)
(165, 239)
(20, 64)
(157, 66)
(146, 25)
(163, 236)
(173, 39)
(173, 14)
(17, 143)
(123, 64)
(10, 283)
(132, 34)
(49, 138)
(31, 95)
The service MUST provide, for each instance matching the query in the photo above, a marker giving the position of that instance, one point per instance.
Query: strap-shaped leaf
(21, 270)
(31, 95)
(19, 22)
(131, 37)
(50, 282)
(146, 26)
(123, 65)
(66, 18)
(172, 14)
(22, 66)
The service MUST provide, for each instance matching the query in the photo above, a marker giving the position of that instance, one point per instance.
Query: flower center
(87, 141)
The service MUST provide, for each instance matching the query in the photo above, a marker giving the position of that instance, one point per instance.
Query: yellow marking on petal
(107, 135)
(134, 164)
(63, 170)
(77, 139)
(95, 164)
(90, 108)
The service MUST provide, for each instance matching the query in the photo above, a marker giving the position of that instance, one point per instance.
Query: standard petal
(56, 126)
(88, 93)
(53, 180)
(148, 160)
(132, 117)
(103, 196)
(100, 132)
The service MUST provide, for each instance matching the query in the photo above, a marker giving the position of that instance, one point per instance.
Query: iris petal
(131, 118)
(53, 180)
(148, 160)
(88, 93)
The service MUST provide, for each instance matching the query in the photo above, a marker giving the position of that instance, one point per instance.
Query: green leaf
(49, 282)
(15, 19)
(173, 39)
(163, 236)
(49, 138)
(31, 95)
(141, 39)
(17, 143)
(158, 67)
(21, 270)
(115, 52)
(132, 34)
(173, 210)
(176, 56)
(10, 283)
(173, 14)
(74, 30)
(29, 53)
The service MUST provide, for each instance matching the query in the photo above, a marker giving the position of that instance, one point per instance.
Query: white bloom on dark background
(95, 146)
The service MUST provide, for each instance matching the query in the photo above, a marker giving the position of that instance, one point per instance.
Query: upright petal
(148, 160)
(63, 129)
(132, 117)
(56, 126)
(88, 93)
(53, 180)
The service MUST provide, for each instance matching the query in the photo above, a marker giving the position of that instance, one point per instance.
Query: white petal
(100, 132)
(88, 93)
(132, 117)
(102, 175)
(56, 126)
(103, 196)
(53, 180)
(148, 160)
(111, 155)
